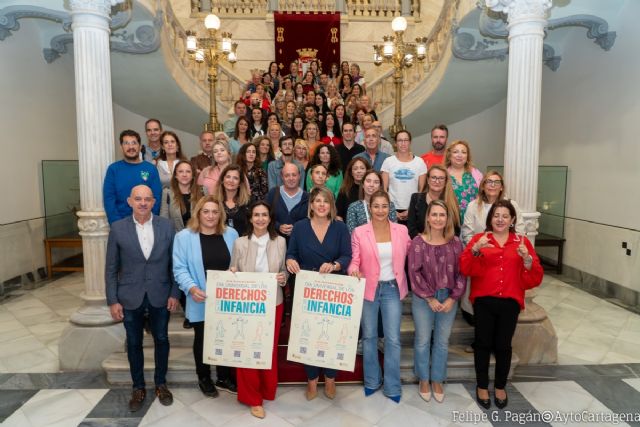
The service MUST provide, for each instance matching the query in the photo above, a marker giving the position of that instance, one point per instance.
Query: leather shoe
(330, 388)
(137, 399)
(501, 403)
(227, 385)
(164, 395)
(311, 392)
(258, 412)
(485, 403)
(425, 395)
(439, 397)
(207, 388)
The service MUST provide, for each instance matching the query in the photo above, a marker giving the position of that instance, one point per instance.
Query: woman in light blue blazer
(206, 244)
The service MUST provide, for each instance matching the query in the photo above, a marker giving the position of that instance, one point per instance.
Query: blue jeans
(133, 325)
(426, 320)
(386, 301)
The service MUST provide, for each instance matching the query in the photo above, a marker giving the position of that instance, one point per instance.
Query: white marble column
(91, 326)
(535, 340)
(527, 20)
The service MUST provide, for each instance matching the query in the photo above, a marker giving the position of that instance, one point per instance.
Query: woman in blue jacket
(205, 244)
(319, 243)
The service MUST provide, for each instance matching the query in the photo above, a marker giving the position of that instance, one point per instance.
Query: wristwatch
(335, 266)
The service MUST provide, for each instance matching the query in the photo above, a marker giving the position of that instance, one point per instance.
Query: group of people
(406, 224)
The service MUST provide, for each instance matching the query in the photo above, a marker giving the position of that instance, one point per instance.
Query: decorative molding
(93, 223)
(519, 9)
(145, 39)
(466, 47)
(58, 47)
(598, 28)
(102, 7)
(10, 15)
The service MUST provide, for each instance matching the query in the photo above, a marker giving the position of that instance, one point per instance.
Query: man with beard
(151, 151)
(275, 166)
(439, 135)
(125, 174)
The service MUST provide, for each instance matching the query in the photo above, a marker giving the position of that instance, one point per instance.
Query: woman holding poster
(379, 250)
(319, 243)
(262, 250)
(437, 288)
(204, 245)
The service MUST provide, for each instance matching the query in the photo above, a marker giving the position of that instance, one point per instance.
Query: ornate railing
(381, 88)
(356, 9)
(229, 86)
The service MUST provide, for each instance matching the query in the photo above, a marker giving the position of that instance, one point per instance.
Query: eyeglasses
(493, 182)
(437, 178)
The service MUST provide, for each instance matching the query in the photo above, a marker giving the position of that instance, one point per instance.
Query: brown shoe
(330, 388)
(137, 399)
(258, 412)
(312, 389)
(164, 395)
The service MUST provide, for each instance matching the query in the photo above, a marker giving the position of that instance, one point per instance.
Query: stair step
(178, 336)
(460, 364)
(182, 367)
(461, 332)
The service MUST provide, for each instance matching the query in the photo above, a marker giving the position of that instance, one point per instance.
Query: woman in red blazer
(502, 265)
(379, 250)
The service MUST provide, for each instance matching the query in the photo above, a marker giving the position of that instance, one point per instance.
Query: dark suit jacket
(128, 275)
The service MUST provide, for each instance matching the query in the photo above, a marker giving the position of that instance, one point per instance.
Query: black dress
(343, 202)
(237, 218)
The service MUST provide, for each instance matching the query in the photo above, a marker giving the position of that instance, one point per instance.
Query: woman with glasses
(475, 219)
(437, 187)
(502, 265)
(403, 174)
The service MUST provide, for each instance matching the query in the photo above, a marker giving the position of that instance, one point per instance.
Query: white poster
(239, 319)
(325, 320)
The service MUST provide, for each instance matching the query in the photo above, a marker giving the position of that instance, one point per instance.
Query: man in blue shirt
(372, 152)
(125, 174)
(274, 170)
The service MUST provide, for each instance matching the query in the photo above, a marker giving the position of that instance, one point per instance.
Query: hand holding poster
(239, 319)
(325, 320)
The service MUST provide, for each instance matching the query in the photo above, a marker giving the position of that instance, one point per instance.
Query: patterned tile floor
(597, 381)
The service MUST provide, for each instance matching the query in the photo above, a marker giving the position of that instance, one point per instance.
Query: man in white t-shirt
(403, 174)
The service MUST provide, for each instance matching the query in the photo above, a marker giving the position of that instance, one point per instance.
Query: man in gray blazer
(139, 280)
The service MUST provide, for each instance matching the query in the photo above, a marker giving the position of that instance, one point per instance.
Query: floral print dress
(465, 192)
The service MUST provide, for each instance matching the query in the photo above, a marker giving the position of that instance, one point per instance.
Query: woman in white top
(379, 250)
(170, 155)
(403, 174)
(262, 250)
(491, 189)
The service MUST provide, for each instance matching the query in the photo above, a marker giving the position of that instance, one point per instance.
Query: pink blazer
(364, 257)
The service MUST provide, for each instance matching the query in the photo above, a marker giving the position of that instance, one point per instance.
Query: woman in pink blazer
(379, 250)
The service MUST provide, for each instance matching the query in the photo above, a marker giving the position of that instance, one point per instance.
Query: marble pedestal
(535, 340)
(86, 347)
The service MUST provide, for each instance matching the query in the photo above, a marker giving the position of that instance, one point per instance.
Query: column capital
(521, 9)
(100, 7)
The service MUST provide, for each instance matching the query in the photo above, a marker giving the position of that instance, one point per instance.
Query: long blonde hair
(449, 230)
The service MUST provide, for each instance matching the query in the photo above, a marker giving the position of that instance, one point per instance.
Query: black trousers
(203, 370)
(496, 320)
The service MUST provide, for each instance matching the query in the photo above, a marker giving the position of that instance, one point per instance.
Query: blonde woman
(301, 153)
(204, 245)
(209, 176)
(465, 179)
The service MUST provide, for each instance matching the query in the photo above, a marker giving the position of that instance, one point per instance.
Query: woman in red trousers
(262, 250)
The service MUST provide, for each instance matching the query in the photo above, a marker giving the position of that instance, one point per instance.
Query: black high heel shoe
(485, 403)
(501, 403)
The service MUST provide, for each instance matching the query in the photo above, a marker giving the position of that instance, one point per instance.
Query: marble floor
(597, 381)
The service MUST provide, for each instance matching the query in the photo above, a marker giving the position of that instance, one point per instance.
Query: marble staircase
(182, 367)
